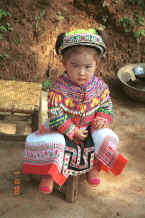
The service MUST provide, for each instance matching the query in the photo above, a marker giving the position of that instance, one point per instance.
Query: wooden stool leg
(35, 119)
(71, 189)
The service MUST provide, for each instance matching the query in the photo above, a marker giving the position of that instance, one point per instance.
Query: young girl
(76, 138)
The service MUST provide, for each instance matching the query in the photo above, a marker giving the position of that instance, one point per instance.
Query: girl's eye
(75, 65)
(87, 67)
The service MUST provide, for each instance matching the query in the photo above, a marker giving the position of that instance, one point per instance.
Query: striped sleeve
(105, 109)
(58, 119)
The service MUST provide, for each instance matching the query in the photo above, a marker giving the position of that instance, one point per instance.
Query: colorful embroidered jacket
(70, 105)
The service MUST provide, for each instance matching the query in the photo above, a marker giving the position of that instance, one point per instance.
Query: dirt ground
(116, 197)
(27, 45)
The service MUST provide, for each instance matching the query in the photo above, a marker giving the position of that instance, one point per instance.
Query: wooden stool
(70, 188)
(22, 98)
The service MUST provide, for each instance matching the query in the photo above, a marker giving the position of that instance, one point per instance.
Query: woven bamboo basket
(124, 75)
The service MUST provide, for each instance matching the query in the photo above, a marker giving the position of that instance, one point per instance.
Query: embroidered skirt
(55, 154)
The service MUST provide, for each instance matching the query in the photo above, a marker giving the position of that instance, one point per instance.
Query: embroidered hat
(89, 37)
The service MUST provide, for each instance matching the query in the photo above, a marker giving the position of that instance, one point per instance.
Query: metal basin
(125, 74)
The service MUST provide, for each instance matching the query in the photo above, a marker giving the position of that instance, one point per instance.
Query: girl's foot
(93, 177)
(46, 184)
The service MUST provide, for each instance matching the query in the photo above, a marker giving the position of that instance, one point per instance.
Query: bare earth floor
(116, 197)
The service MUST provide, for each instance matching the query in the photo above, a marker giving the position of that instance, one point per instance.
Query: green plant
(115, 1)
(134, 26)
(140, 20)
(137, 2)
(37, 20)
(128, 24)
(9, 27)
(59, 17)
(46, 84)
(4, 27)
(18, 41)
(16, 20)
(3, 56)
(139, 33)
(4, 13)
(64, 9)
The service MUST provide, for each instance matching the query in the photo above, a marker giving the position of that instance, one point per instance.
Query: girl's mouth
(81, 79)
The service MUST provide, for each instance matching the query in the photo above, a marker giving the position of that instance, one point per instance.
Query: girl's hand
(41, 130)
(101, 123)
(80, 134)
(37, 133)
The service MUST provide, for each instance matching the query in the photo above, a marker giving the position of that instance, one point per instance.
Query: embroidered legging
(38, 146)
(44, 154)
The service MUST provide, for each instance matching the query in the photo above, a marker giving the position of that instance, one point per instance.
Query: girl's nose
(82, 71)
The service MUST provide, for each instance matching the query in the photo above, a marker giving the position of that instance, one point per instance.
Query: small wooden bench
(18, 97)
(70, 188)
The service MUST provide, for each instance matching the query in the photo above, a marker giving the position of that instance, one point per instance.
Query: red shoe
(46, 185)
(93, 177)
(45, 190)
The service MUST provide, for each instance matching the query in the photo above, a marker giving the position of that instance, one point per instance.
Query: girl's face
(80, 67)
